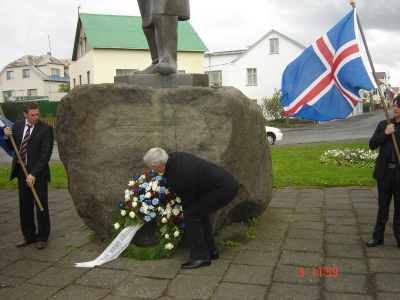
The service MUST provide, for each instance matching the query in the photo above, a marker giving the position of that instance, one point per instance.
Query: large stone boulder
(104, 130)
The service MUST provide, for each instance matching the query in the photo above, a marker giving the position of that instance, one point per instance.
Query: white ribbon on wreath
(118, 245)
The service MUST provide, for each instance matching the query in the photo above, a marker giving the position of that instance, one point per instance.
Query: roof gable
(32, 60)
(125, 32)
(266, 36)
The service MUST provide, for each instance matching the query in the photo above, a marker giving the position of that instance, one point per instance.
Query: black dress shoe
(214, 255)
(196, 264)
(373, 243)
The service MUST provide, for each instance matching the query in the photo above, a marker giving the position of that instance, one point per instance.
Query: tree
(64, 88)
(272, 107)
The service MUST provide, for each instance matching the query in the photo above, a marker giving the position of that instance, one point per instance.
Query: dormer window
(55, 72)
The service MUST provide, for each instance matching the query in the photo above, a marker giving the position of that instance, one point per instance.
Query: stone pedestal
(157, 80)
(104, 130)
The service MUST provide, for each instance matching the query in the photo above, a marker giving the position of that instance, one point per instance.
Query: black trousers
(200, 238)
(386, 189)
(27, 205)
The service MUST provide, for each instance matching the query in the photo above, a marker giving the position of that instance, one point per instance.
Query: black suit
(203, 188)
(388, 179)
(40, 148)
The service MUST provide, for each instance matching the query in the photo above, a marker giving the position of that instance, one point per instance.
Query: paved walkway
(301, 234)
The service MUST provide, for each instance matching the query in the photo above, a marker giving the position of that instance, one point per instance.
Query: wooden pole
(21, 162)
(352, 2)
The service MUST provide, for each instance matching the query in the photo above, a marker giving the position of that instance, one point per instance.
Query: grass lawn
(298, 166)
(293, 166)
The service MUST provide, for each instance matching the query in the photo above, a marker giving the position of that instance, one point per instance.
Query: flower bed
(358, 158)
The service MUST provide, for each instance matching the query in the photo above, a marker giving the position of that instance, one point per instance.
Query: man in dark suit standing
(203, 188)
(36, 153)
(387, 174)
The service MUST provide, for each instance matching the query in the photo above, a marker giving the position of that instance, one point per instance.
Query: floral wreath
(148, 198)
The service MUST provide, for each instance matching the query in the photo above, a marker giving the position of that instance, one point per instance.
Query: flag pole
(353, 4)
(21, 162)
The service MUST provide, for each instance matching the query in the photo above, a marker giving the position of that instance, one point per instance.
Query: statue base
(173, 80)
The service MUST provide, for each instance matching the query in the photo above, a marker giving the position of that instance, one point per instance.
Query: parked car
(273, 134)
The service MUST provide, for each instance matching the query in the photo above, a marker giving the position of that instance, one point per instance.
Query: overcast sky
(34, 26)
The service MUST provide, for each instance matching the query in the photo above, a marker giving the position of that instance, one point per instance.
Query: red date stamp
(321, 271)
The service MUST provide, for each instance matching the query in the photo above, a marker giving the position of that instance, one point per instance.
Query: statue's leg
(167, 43)
(151, 41)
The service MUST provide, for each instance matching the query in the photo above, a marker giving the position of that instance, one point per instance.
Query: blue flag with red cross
(323, 83)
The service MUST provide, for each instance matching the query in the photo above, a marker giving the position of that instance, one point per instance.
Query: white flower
(127, 191)
(134, 204)
(177, 199)
(176, 233)
(135, 199)
(116, 225)
(167, 236)
(132, 214)
(130, 183)
(148, 195)
(175, 211)
(123, 213)
(164, 220)
(127, 197)
(169, 246)
(157, 189)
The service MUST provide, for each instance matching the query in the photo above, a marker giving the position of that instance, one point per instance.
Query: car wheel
(271, 139)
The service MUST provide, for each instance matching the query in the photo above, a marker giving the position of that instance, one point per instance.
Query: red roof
(32, 60)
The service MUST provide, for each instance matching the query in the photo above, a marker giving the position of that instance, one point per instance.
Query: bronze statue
(160, 25)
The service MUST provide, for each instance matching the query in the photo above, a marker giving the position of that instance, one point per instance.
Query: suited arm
(45, 155)
(379, 137)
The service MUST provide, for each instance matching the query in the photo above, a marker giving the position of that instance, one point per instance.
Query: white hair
(155, 157)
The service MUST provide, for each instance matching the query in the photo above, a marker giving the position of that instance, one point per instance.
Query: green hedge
(13, 111)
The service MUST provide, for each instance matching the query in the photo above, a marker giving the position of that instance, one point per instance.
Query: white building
(256, 71)
(33, 76)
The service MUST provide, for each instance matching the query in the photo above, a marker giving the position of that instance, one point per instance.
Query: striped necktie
(24, 145)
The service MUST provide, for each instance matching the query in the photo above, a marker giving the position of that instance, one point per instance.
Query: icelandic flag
(2, 142)
(323, 83)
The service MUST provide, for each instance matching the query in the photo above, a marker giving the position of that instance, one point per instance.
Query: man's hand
(7, 132)
(30, 180)
(389, 129)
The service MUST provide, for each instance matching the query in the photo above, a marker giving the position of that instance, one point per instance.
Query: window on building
(8, 94)
(55, 72)
(26, 73)
(84, 44)
(273, 46)
(375, 91)
(120, 72)
(32, 92)
(181, 71)
(251, 76)
(74, 83)
(88, 77)
(80, 79)
(215, 78)
(10, 75)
